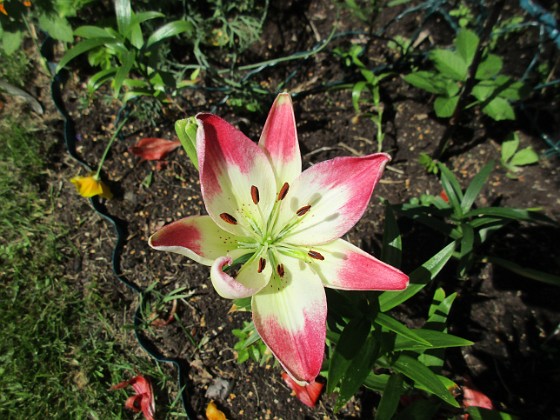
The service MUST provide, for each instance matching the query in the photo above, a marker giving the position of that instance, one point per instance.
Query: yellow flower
(89, 186)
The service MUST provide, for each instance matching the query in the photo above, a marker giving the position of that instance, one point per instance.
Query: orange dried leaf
(213, 413)
(307, 394)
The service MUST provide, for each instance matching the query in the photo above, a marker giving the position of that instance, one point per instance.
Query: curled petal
(196, 237)
(326, 200)
(290, 316)
(307, 394)
(248, 281)
(347, 267)
(230, 166)
(90, 186)
(280, 141)
(152, 148)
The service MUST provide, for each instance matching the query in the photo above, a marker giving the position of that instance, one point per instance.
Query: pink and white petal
(196, 237)
(347, 267)
(279, 139)
(337, 192)
(236, 178)
(247, 282)
(290, 316)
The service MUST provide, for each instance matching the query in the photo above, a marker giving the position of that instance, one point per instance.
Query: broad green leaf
(359, 369)
(437, 340)
(57, 27)
(392, 242)
(390, 323)
(512, 90)
(123, 12)
(80, 48)
(452, 188)
(352, 342)
(186, 131)
(506, 213)
(425, 80)
(423, 376)
(509, 147)
(450, 64)
(489, 67)
(391, 397)
(526, 272)
(88, 32)
(478, 413)
(141, 17)
(11, 41)
(484, 90)
(526, 156)
(418, 279)
(466, 44)
(499, 109)
(99, 78)
(168, 30)
(445, 107)
(476, 186)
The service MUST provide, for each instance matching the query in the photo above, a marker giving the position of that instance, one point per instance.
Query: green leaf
(509, 147)
(499, 109)
(123, 12)
(505, 213)
(377, 382)
(526, 272)
(186, 131)
(392, 242)
(450, 64)
(390, 323)
(476, 186)
(358, 371)
(391, 397)
(168, 30)
(356, 93)
(466, 44)
(484, 90)
(445, 107)
(88, 32)
(57, 27)
(80, 48)
(418, 279)
(425, 80)
(526, 156)
(99, 78)
(122, 72)
(423, 376)
(11, 41)
(478, 413)
(352, 341)
(489, 67)
(452, 188)
(437, 340)
(419, 410)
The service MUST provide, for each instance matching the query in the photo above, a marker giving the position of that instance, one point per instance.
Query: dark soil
(513, 321)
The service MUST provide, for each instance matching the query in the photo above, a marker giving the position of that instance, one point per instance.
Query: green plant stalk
(106, 151)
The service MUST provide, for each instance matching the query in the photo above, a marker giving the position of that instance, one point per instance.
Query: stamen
(262, 265)
(280, 270)
(228, 218)
(283, 191)
(303, 210)
(316, 255)
(255, 194)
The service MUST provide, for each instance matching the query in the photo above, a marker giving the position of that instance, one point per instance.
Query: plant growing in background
(454, 215)
(127, 57)
(492, 91)
(370, 84)
(512, 158)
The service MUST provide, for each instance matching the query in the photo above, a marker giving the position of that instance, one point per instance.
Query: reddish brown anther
(280, 270)
(283, 191)
(228, 218)
(303, 210)
(262, 265)
(255, 194)
(316, 255)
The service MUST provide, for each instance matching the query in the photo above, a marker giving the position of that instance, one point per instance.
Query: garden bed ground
(513, 321)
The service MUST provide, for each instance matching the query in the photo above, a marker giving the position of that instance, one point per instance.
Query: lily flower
(91, 185)
(273, 232)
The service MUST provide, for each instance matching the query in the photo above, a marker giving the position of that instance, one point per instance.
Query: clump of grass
(14, 67)
(59, 349)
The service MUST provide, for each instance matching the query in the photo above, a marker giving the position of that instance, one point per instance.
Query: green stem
(106, 151)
